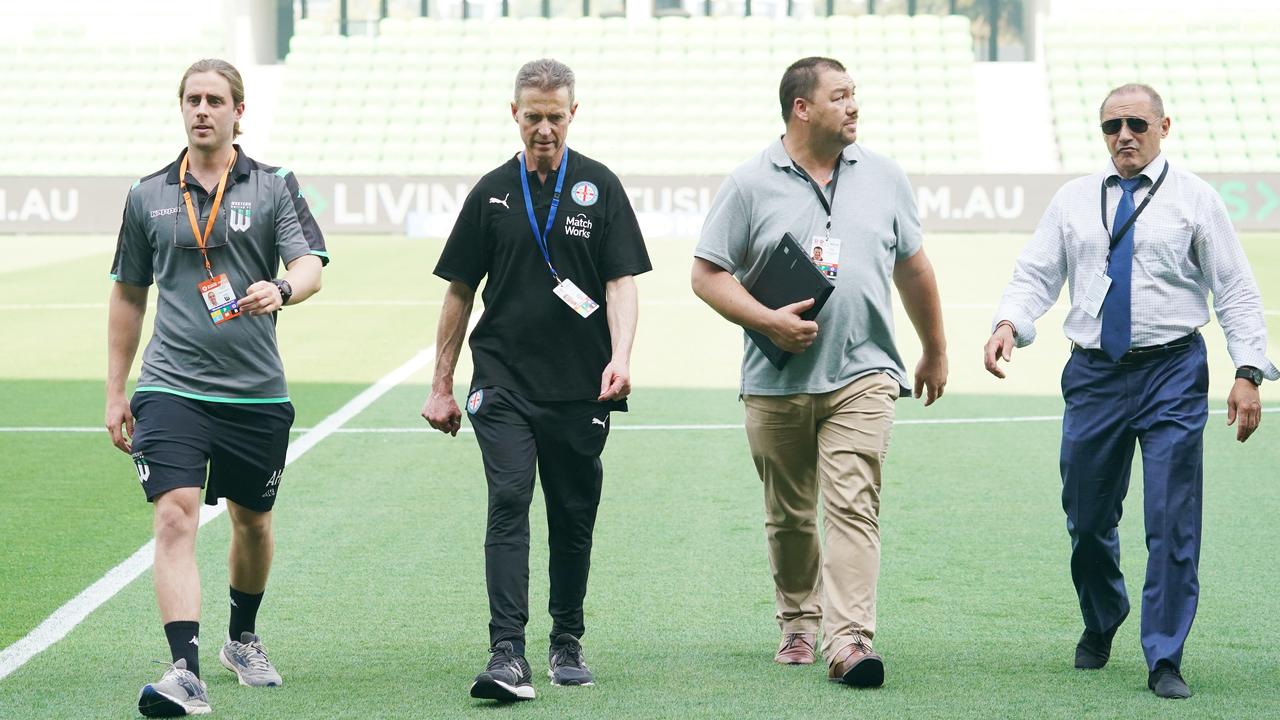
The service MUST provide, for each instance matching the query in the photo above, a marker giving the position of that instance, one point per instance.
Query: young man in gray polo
(210, 231)
(822, 423)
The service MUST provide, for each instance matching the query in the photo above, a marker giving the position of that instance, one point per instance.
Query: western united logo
(144, 469)
(585, 193)
(473, 402)
(577, 226)
(239, 215)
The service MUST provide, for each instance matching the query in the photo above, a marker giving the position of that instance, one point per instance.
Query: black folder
(788, 277)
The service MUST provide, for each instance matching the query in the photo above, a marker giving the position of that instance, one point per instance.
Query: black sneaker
(507, 677)
(568, 667)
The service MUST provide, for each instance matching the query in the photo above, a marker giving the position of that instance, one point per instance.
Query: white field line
(613, 428)
(65, 618)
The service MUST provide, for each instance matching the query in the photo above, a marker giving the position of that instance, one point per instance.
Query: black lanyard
(1115, 237)
(817, 189)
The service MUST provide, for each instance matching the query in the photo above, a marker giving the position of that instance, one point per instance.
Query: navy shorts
(239, 448)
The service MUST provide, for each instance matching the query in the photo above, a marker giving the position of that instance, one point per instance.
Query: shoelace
(257, 656)
(792, 639)
(502, 659)
(862, 644)
(570, 654)
(185, 678)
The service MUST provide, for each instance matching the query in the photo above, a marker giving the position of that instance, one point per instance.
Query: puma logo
(598, 421)
(502, 202)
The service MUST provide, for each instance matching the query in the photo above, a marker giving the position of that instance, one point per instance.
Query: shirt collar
(239, 171)
(1151, 171)
(779, 157)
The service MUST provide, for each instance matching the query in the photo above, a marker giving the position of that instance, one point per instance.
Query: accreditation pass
(219, 299)
(575, 298)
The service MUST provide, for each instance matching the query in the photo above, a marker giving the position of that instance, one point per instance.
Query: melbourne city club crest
(239, 215)
(585, 193)
(473, 402)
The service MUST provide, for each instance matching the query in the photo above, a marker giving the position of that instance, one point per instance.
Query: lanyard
(1116, 237)
(541, 237)
(202, 239)
(817, 189)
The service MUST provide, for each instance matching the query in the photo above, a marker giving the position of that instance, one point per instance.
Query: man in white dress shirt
(1139, 243)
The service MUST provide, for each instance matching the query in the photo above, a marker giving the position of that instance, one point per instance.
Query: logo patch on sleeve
(473, 402)
(585, 193)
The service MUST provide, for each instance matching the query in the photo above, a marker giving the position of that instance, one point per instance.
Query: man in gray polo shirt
(210, 231)
(823, 421)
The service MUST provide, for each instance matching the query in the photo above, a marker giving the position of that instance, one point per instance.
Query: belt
(1141, 354)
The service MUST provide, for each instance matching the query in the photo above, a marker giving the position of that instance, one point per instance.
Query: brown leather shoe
(796, 649)
(857, 665)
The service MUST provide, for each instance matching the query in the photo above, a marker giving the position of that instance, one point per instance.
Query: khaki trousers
(835, 442)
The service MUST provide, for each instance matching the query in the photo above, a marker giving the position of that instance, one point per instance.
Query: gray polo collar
(779, 157)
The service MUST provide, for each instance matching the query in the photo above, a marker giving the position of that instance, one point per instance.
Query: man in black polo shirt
(555, 233)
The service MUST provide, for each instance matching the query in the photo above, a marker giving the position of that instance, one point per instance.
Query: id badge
(219, 299)
(825, 253)
(1097, 292)
(575, 298)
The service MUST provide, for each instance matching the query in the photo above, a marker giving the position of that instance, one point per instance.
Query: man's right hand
(999, 346)
(791, 333)
(442, 412)
(119, 423)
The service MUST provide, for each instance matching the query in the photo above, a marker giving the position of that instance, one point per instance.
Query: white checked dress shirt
(1183, 246)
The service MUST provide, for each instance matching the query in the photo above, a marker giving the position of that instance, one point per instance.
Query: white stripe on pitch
(64, 619)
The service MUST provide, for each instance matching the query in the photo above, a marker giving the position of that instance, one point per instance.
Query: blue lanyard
(541, 237)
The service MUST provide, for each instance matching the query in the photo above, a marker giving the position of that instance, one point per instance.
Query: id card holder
(575, 298)
(219, 299)
(1097, 292)
(824, 253)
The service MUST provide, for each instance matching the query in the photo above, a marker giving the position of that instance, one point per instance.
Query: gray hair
(1157, 103)
(547, 75)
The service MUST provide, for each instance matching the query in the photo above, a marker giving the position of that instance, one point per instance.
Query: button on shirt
(1183, 246)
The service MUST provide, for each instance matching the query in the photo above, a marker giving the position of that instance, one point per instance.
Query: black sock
(244, 613)
(184, 642)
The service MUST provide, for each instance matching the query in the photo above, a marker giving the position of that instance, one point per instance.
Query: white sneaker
(178, 693)
(248, 660)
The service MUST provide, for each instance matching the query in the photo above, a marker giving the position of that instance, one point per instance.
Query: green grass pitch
(377, 608)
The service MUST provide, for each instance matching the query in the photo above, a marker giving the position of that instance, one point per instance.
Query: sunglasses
(1137, 126)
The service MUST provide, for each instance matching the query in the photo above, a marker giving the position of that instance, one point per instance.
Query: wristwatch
(1252, 374)
(286, 292)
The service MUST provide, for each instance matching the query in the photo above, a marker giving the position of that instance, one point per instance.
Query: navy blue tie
(1116, 326)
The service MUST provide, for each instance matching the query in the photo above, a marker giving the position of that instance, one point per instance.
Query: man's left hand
(615, 381)
(931, 376)
(1244, 404)
(262, 298)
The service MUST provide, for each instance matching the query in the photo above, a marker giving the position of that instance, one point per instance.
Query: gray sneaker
(248, 660)
(178, 693)
(567, 664)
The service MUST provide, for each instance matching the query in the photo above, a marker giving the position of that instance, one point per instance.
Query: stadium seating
(1219, 77)
(672, 96)
(75, 103)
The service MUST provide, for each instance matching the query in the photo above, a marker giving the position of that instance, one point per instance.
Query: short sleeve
(465, 257)
(906, 218)
(726, 233)
(297, 232)
(623, 252)
(132, 263)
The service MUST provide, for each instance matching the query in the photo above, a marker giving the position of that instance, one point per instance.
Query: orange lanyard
(202, 239)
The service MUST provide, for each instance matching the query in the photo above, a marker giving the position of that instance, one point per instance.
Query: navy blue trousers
(1160, 404)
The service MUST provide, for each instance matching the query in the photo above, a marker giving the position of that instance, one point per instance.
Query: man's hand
(119, 423)
(442, 412)
(789, 332)
(615, 381)
(931, 375)
(262, 298)
(999, 346)
(1245, 404)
